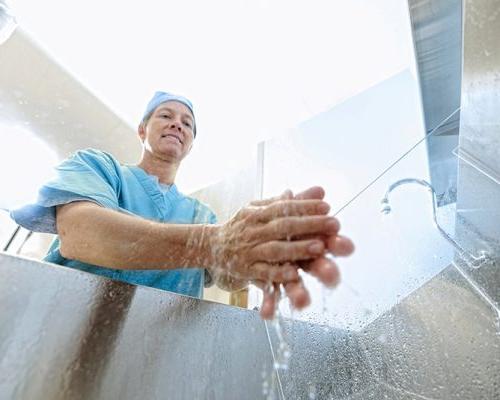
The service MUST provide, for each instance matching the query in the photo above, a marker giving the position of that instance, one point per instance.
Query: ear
(141, 130)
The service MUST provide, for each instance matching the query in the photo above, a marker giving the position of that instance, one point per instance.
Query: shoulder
(93, 159)
(94, 156)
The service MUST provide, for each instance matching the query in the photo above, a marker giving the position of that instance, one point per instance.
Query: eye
(165, 116)
(188, 124)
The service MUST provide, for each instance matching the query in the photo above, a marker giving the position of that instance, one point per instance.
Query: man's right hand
(268, 241)
(323, 268)
(261, 241)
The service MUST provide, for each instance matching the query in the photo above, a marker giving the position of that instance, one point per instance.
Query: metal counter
(67, 334)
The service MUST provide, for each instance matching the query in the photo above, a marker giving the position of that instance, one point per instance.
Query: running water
(281, 356)
(283, 351)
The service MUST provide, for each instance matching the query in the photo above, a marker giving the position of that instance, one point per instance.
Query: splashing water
(312, 393)
(283, 351)
(281, 357)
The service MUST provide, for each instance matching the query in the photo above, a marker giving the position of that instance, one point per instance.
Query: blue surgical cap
(163, 97)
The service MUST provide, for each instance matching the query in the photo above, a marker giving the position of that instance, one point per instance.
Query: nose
(175, 125)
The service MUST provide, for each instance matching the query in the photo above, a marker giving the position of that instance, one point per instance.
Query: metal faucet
(473, 261)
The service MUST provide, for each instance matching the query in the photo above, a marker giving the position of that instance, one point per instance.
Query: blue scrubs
(96, 176)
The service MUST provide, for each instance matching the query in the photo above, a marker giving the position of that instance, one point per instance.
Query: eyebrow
(185, 115)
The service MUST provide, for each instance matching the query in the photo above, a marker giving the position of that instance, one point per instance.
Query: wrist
(212, 255)
(206, 247)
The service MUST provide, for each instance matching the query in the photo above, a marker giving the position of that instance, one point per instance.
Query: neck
(163, 169)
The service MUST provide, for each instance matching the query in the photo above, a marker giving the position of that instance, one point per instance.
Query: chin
(168, 154)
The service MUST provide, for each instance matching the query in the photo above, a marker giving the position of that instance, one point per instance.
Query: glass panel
(397, 252)
(413, 317)
(416, 315)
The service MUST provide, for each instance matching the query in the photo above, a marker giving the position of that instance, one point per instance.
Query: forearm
(96, 235)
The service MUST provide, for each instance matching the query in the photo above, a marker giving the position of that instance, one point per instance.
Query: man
(132, 224)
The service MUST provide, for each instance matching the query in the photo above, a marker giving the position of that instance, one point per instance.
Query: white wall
(43, 99)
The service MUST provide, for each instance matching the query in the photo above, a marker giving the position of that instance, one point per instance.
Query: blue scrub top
(94, 175)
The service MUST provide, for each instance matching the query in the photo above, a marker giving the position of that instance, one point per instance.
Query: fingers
(324, 269)
(271, 297)
(270, 301)
(296, 228)
(295, 290)
(315, 192)
(286, 195)
(289, 208)
(304, 219)
(282, 251)
(340, 246)
(297, 293)
(276, 273)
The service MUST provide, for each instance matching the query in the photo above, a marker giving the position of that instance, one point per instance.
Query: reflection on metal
(478, 188)
(441, 342)
(437, 37)
(480, 292)
(472, 161)
(66, 334)
(473, 261)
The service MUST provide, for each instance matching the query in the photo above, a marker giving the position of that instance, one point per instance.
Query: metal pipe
(473, 261)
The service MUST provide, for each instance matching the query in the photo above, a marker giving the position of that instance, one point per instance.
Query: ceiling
(252, 69)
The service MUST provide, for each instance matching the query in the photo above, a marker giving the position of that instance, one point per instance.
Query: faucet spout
(473, 261)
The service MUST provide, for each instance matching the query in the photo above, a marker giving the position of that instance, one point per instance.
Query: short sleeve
(89, 175)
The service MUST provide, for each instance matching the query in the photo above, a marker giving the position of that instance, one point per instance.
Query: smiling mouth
(172, 136)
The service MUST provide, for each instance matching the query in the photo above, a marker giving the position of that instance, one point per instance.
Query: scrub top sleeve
(88, 175)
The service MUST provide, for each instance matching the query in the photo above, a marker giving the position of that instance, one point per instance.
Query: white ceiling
(252, 68)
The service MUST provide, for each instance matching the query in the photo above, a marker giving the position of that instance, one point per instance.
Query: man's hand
(266, 241)
(320, 267)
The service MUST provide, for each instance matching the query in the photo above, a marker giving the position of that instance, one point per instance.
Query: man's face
(169, 132)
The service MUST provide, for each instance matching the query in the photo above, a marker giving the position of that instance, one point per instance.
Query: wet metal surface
(441, 342)
(478, 200)
(437, 37)
(70, 335)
